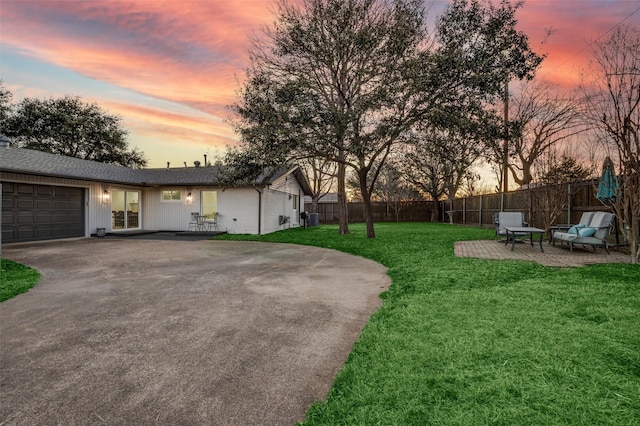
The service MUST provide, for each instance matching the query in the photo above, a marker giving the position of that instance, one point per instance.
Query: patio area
(552, 256)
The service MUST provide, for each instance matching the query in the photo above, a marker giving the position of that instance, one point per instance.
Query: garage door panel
(25, 234)
(39, 212)
(63, 232)
(44, 204)
(8, 234)
(26, 203)
(8, 218)
(44, 233)
(8, 202)
(44, 217)
(73, 218)
(26, 189)
(25, 218)
(59, 204)
(44, 190)
(60, 218)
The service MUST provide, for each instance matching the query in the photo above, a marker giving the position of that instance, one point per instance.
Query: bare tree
(393, 189)
(612, 93)
(321, 174)
(542, 118)
(438, 161)
(553, 178)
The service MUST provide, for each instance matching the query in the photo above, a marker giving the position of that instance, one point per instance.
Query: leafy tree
(347, 80)
(342, 60)
(566, 169)
(68, 126)
(5, 105)
(613, 108)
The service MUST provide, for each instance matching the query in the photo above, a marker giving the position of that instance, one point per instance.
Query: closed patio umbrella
(608, 185)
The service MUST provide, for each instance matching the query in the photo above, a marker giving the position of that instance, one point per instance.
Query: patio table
(522, 231)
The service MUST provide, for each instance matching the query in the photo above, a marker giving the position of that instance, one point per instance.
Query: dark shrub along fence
(543, 206)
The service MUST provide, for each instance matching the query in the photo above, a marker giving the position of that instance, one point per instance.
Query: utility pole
(505, 154)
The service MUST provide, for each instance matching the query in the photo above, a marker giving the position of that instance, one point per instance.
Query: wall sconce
(105, 196)
(189, 198)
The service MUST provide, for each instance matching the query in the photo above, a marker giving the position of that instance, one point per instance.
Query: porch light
(105, 196)
(189, 198)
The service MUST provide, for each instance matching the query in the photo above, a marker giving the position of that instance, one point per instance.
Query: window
(169, 196)
(295, 202)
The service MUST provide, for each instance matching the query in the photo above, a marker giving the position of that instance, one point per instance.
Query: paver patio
(552, 256)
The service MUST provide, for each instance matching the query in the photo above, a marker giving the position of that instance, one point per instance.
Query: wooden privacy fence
(563, 203)
(404, 211)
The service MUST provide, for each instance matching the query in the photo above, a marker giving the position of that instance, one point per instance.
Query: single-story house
(47, 196)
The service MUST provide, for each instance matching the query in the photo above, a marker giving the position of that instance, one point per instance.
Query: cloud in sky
(574, 24)
(170, 68)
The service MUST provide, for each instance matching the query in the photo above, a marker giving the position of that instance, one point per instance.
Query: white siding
(278, 201)
(168, 216)
(238, 210)
(99, 210)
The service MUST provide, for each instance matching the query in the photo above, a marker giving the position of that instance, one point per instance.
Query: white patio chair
(211, 221)
(193, 224)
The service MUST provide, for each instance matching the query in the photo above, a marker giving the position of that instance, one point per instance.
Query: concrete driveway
(123, 331)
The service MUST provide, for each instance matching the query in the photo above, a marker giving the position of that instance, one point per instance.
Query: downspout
(259, 210)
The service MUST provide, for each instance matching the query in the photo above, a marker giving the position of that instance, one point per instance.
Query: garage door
(41, 212)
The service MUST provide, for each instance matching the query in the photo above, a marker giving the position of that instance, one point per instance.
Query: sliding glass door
(125, 209)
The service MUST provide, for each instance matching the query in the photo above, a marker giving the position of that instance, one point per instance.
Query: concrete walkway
(133, 331)
(552, 256)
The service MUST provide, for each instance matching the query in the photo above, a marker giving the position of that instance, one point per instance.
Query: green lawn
(462, 341)
(15, 279)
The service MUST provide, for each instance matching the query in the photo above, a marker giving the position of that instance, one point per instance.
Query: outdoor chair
(211, 221)
(193, 224)
(585, 219)
(505, 220)
(594, 233)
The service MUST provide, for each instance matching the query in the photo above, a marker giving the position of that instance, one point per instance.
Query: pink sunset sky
(171, 68)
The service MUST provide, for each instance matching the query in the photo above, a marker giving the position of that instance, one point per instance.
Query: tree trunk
(435, 210)
(366, 198)
(343, 212)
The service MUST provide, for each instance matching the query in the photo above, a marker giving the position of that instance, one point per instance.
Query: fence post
(569, 202)
(480, 218)
(464, 211)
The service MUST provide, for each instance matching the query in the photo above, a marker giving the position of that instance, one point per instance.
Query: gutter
(259, 210)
